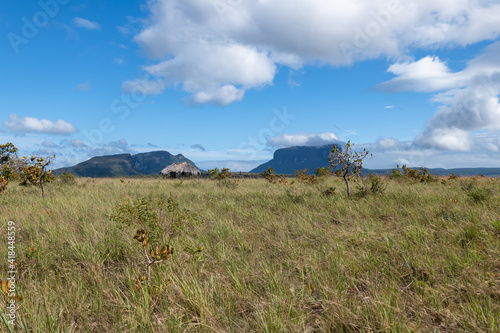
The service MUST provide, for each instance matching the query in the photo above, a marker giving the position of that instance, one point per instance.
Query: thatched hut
(183, 169)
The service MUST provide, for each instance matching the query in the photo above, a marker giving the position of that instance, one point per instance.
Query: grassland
(277, 258)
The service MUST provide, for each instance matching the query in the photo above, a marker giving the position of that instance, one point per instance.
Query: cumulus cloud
(34, 125)
(217, 50)
(86, 24)
(425, 75)
(387, 143)
(468, 98)
(445, 139)
(302, 139)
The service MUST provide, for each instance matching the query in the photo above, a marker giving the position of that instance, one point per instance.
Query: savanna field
(252, 256)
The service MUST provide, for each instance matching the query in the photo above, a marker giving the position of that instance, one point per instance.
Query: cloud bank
(34, 125)
(302, 139)
(217, 50)
(468, 99)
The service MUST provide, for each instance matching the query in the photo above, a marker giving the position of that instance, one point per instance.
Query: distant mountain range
(124, 165)
(285, 161)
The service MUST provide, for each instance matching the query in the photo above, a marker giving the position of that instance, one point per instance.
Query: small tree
(348, 161)
(157, 223)
(6, 173)
(36, 173)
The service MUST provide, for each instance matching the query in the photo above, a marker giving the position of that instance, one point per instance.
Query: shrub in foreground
(157, 222)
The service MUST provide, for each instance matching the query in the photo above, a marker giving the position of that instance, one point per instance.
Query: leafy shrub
(453, 176)
(158, 222)
(425, 176)
(377, 185)
(223, 178)
(272, 177)
(421, 175)
(67, 179)
(371, 185)
(215, 174)
(323, 172)
(303, 177)
(396, 173)
(411, 174)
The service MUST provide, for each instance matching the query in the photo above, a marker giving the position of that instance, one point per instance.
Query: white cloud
(425, 75)
(34, 125)
(302, 139)
(220, 96)
(213, 73)
(387, 143)
(445, 139)
(468, 98)
(86, 24)
(217, 50)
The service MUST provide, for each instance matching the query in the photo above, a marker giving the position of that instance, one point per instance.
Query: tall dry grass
(276, 258)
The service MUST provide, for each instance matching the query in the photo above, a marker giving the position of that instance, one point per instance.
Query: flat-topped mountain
(287, 160)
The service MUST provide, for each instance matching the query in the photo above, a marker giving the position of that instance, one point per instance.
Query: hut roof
(180, 168)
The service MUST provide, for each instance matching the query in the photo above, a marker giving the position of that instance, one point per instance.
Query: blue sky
(227, 82)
